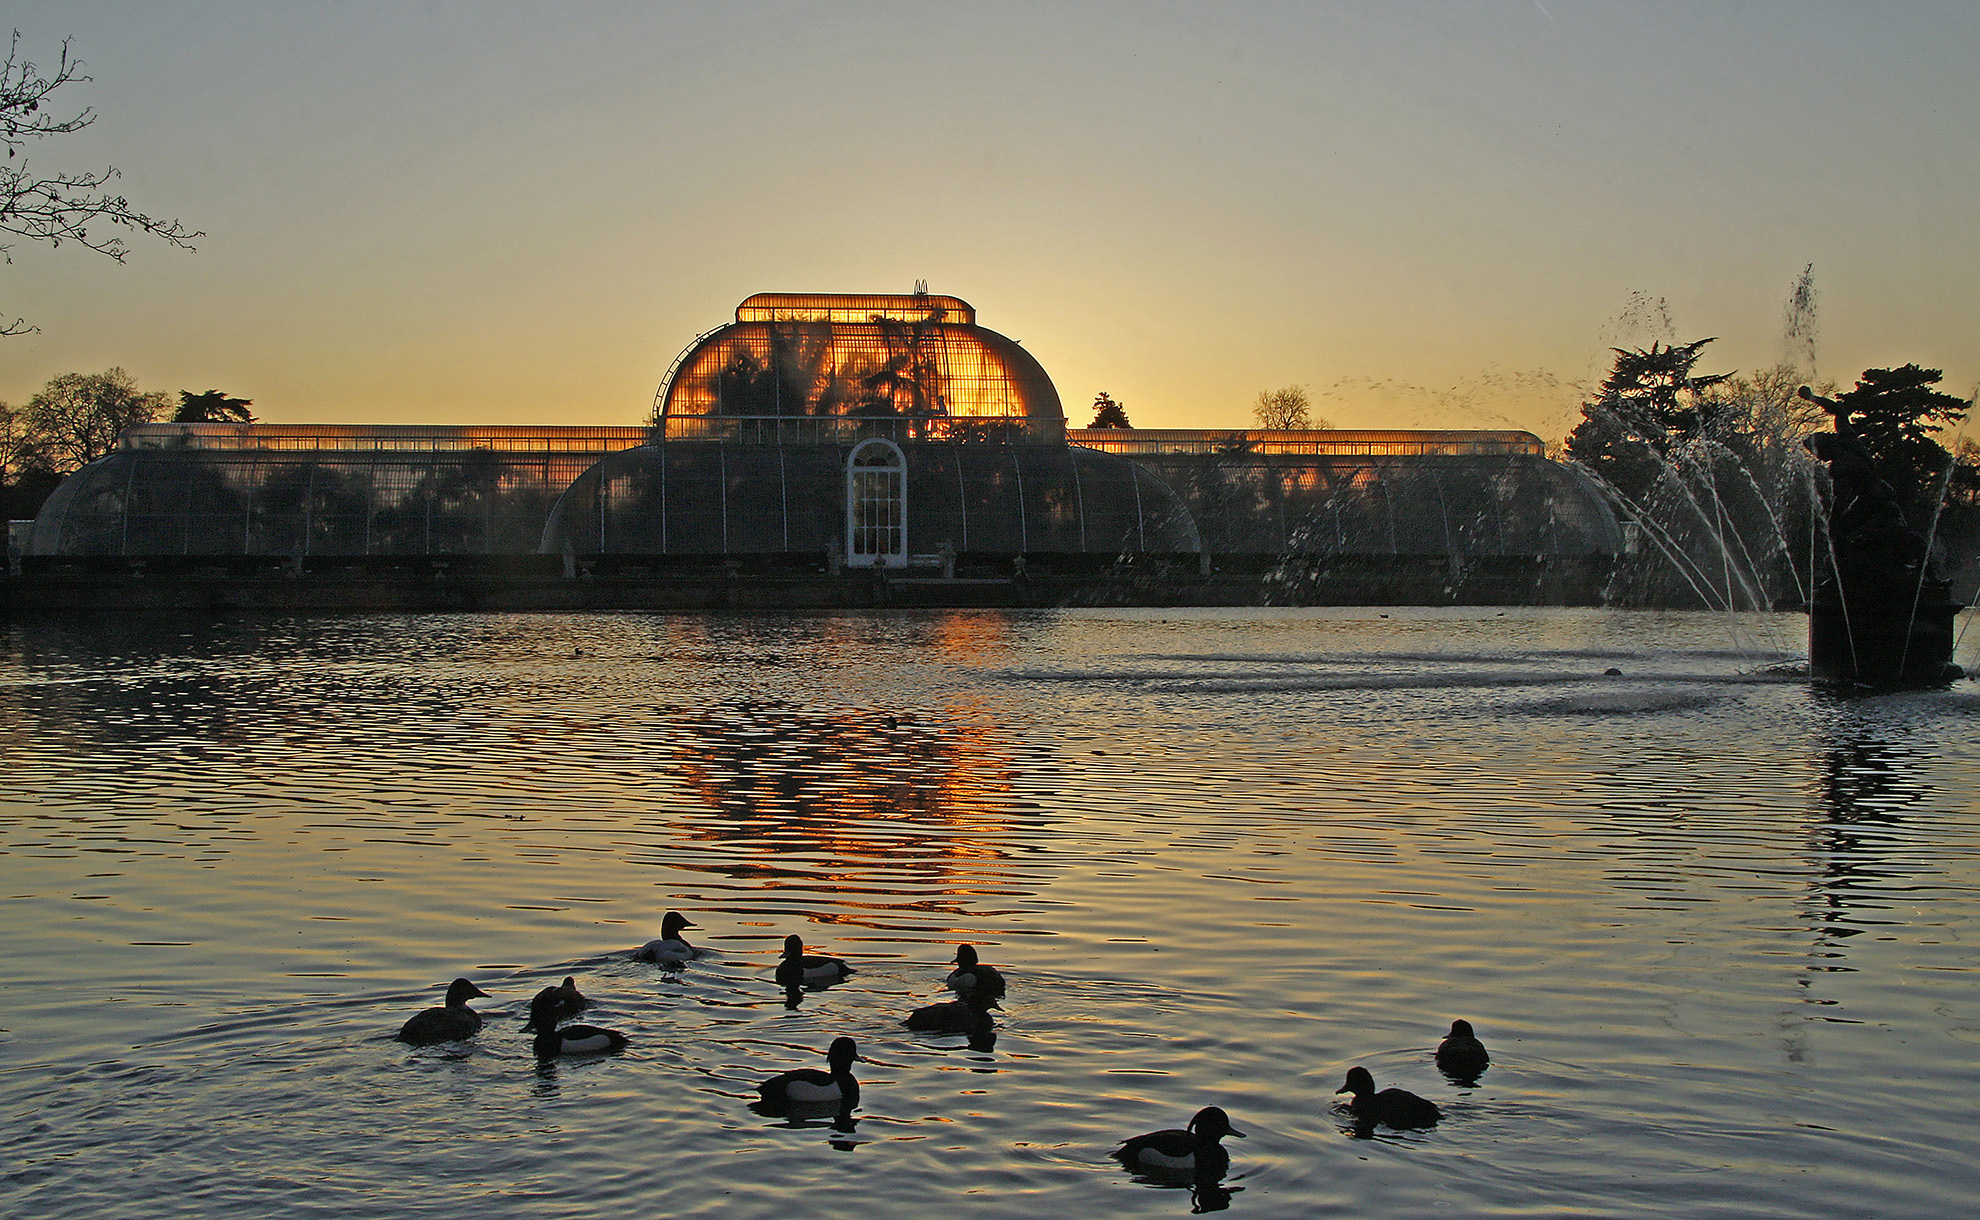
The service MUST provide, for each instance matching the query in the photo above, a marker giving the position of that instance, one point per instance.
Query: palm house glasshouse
(821, 432)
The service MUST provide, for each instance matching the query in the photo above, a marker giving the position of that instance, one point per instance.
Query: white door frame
(876, 505)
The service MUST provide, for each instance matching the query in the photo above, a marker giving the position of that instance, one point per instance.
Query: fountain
(1881, 616)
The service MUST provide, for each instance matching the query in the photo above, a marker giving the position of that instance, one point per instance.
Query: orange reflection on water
(834, 796)
(970, 636)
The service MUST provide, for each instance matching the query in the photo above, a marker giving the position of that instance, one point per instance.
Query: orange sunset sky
(1431, 215)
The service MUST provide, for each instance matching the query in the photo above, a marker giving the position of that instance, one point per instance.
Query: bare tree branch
(22, 89)
(64, 206)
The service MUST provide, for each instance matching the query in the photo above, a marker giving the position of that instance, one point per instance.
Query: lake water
(1717, 928)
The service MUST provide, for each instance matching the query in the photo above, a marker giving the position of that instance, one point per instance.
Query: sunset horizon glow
(1430, 217)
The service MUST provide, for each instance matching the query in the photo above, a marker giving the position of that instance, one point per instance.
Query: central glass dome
(914, 358)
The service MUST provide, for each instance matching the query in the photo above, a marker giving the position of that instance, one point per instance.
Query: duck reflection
(545, 1088)
(1208, 1194)
(804, 1116)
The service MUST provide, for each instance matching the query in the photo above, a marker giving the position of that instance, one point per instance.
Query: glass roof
(1319, 442)
(909, 357)
(854, 307)
(502, 438)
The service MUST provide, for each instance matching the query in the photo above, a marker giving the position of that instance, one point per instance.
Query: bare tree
(77, 417)
(63, 206)
(14, 448)
(1281, 410)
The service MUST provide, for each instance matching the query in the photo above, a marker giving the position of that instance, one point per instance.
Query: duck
(559, 1002)
(801, 969)
(571, 1039)
(577, 1040)
(1397, 1108)
(1194, 1150)
(1461, 1053)
(671, 949)
(811, 1086)
(448, 1023)
(973, 978)
(964, 1016)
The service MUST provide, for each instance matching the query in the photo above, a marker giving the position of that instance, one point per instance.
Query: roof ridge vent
(857, 307)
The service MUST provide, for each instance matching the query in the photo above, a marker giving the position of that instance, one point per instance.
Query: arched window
(876, 506)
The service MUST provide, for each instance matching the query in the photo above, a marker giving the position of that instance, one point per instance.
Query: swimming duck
(801, 969)
(811, 1086)
(579, 1040)
(1395, 1107)
(449, 1023)
(1461, 1054)
(964, 1016)
(1195, 1150)
(972, 978)
(671, 949)
(560, 1003)
(571, 1039)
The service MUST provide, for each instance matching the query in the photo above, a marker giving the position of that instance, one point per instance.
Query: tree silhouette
(1895, 412)
(1657, 390)
(15, 448)
(1651, 401)
(64, 206)
(212, 407)
(77, 417)
(1965, 483)
(1107, 413)
(910, 381)
(1282, 410)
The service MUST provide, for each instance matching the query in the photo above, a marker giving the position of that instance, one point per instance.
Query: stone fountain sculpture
(1881, 616)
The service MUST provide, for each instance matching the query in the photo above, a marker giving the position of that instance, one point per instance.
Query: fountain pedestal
(1883, 636)
(1880, 616)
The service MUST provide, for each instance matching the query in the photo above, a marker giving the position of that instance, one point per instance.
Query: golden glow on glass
(502, 438)
(821, 356)
(1341, 442)
(854, 307)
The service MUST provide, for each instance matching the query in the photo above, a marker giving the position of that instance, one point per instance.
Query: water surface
(1716, 927)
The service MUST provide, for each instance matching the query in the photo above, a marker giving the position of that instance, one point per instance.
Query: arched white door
(876, 506)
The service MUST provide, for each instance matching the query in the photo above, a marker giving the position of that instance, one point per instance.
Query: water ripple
(1715, 927)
